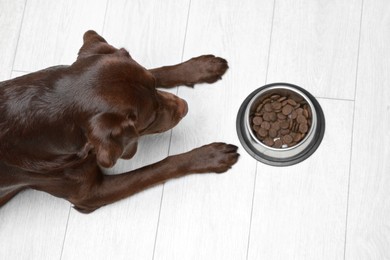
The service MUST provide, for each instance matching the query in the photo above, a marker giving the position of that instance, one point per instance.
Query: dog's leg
(215, 157)
(203, 69)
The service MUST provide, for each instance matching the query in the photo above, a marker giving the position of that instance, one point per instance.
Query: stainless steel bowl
(280, 156)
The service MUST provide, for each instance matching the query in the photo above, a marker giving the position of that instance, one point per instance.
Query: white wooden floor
(334, 205)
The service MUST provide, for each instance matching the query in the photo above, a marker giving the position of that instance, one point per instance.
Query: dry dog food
(281, 121)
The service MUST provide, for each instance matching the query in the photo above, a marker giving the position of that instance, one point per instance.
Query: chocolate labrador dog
(58, 126)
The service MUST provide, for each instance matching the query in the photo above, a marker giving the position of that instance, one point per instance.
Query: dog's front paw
(206, 69)
(214, 157)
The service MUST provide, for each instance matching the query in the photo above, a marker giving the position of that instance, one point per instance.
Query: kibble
(281, 121)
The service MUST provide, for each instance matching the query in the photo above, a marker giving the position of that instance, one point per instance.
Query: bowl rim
(274, 161)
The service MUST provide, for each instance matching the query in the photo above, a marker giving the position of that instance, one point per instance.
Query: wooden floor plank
(127, 229)
(10, 23)
(314, 44)
(152, 31)
(32, 226)
(299, 211)
(207, 216)
(52, 31)
(368, 233)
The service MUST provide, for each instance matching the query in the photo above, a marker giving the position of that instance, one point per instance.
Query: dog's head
(125, 101)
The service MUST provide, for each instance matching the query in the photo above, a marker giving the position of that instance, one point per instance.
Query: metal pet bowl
(283, 156)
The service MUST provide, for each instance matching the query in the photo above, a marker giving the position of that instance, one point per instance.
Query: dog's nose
(182, 108)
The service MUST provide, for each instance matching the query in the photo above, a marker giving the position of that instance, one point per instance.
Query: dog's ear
(110, 134)
(94, 44)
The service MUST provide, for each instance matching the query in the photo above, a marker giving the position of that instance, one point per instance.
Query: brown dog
(58, 125)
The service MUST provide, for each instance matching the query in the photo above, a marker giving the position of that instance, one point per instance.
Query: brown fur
(59, 125)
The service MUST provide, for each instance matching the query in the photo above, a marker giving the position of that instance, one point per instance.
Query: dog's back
(58, 126)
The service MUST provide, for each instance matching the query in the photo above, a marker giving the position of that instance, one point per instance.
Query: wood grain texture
(33, 224)
(52, 31)
(314, 44)
(207, 216)
(152, 31)
(368, 233)
(127, 229)
(11, 16)
(299, 212)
